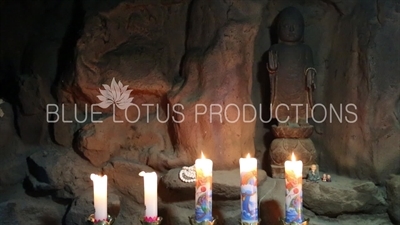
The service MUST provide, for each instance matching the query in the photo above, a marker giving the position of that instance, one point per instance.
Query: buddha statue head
(290, 25)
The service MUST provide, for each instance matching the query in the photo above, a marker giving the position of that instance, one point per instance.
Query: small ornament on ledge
(313, 174)
(326, 178)
(188, 174)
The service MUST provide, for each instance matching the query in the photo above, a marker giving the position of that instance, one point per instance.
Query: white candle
(203, 196)
(294, 192)
(150, 196)
(248, 187)
(100, 196)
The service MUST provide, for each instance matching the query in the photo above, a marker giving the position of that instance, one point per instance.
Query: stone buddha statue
(291, 71)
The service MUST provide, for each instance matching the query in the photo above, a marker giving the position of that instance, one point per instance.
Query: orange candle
(248, 187)
(203, 208)
(294, 192)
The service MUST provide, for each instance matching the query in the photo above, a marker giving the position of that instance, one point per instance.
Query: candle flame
(97, 177)
(248, 155)
(293, 157)
(202, 155)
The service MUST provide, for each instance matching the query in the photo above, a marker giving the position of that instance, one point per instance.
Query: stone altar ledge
(226, 183)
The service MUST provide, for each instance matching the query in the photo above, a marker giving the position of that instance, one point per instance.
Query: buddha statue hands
(272, 64)
(310, 74)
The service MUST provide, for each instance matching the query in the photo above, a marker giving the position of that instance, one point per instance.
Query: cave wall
(355, 54)
(354, 46)
(187, 52)
(371, 144)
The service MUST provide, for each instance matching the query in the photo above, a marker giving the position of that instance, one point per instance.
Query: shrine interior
(201, 112)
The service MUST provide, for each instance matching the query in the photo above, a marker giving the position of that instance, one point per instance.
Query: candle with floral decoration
(248, 187)
(150, 196)
(100, 197)
(203, 197)
(294, 192)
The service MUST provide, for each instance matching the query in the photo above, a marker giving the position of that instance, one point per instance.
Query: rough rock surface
(355, 61)
(343, 195)
(16, 207)
(358, 219)
(226, 212)
(60, 170)
(226, 184)
(393, 195)
(272, 201)
(32, 116)
(31, 55)
(217, 73)
(124, 175)
(272, 206)
(353, 47)
(33, 212)
(65, 120)
(12, 151)
(138, 44)
(138, 57)
(189, 52)
(140, 142)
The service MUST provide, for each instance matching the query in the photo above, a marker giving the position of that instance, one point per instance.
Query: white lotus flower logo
(116, 94)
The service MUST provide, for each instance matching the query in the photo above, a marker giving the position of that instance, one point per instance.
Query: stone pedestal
(291, 139)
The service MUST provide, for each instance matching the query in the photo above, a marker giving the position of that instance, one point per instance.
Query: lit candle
(248, 187)
(203, 197)
(294, 192)
(150, 196)
(100, 196)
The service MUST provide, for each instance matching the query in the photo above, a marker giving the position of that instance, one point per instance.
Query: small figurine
(313, 174)
(328, 178)
(324, 177)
